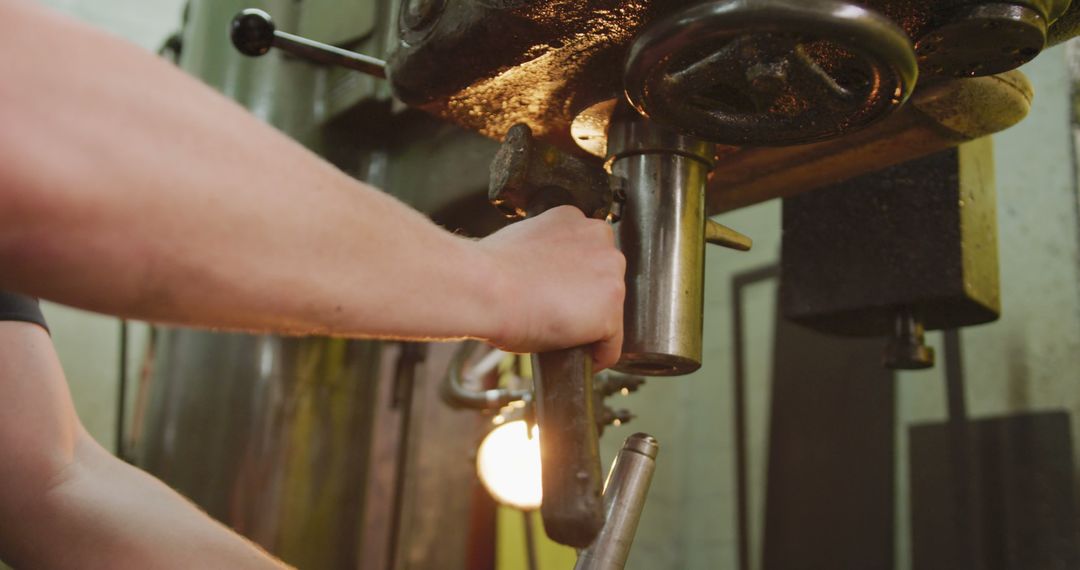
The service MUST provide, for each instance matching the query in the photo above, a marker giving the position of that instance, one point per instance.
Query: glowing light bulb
(509, 465)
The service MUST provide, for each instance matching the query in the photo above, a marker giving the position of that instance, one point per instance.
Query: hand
(560, 284)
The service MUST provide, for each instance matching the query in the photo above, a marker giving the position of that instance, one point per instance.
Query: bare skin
(65, 502)
(129, 188)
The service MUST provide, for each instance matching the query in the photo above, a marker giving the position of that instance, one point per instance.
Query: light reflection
(508, 462)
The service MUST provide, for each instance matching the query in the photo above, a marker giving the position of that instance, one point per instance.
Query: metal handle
(624, 500)
(253, 33)
(572, 508)
(527, 178)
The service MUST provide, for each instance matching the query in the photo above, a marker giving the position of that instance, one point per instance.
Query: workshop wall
(88, 344)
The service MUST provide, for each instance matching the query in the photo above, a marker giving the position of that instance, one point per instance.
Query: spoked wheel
(770, 72)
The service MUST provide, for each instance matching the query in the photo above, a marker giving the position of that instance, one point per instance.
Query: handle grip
(572, 509)
(529, 177)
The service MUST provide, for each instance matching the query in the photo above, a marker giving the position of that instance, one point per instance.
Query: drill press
(644, 99)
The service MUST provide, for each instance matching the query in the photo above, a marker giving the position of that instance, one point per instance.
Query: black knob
(252, 32)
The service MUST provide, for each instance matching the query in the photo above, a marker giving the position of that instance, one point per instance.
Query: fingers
(562, 213)
(605, 232)
(608, 350)
(565, 284)
(606, 353)
(589, 229)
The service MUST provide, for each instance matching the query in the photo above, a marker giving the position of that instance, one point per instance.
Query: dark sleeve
(15, 307)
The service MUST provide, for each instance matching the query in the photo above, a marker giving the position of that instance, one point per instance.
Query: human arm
(65, 502)
(132, 189)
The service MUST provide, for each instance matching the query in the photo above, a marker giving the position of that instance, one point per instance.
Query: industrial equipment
(907, 249)
(657, 114)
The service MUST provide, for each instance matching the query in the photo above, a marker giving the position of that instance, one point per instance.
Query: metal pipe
(662, 235)
(457, 395)
(624, 499)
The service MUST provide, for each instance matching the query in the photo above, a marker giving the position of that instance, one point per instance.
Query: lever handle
(253, 33)
(723, 236)
(572, 509)
(527, 178)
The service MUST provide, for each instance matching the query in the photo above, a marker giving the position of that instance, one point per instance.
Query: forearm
(65, 502)
(103, 513)
(132, 189)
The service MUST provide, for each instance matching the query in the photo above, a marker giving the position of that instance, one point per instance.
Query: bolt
(906, 350)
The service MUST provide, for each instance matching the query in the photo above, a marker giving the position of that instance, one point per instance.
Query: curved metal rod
(457, 395)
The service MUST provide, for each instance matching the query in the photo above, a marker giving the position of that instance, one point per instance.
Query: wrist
(487, 285)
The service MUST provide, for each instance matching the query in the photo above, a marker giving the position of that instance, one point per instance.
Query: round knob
(252, 32)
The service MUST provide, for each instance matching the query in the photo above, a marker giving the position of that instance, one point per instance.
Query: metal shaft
(329, 55)
(662, 235)
(624, 500)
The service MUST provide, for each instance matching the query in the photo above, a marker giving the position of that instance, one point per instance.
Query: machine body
(889, 254)
(715, 84)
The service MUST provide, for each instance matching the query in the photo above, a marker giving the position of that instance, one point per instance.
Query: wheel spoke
(722, 67)
(818, 84)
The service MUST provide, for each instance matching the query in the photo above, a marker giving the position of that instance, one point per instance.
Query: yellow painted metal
(510, 547)
(937, 118)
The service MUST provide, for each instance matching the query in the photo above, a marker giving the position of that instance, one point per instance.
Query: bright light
(509, 465)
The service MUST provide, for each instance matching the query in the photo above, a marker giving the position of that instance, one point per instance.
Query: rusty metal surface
(920, 235)
(487, 65)
(530, 176)
(936, 119)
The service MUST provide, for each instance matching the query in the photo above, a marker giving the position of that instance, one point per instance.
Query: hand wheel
(770, 72)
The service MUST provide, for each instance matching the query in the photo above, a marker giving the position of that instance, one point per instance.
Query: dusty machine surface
(655, 115)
